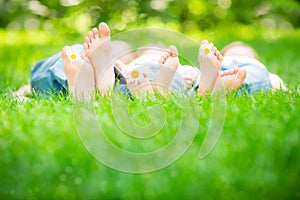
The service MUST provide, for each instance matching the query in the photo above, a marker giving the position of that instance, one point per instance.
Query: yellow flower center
(206, 50)
(73, 56)
(135, 74)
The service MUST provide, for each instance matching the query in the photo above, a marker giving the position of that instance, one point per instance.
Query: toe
(217, 53)
(95, 32)
(85, 47)
(220, 57)
(236, 69)
(87, 40)
(121, 66)
(104, 30)
(163, 58)
(241, 75)
(204, 42)
(232, 71)
(227, 72)
(64, 52)
(173, 51)
(189, 79)
(214, 49)
(91, 35)
(188, 83)
(221, 74)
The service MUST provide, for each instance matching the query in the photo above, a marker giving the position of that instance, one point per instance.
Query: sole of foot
(210, 60)
(80, 74)
(168, 63)
(97, 45)
(233, 79)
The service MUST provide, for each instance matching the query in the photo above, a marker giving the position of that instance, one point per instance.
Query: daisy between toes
(206, 50)
(136, 76)
(74, 55)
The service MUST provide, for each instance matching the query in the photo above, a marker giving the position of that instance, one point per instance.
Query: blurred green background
(266, 25)
(257, 157)
(182, 15)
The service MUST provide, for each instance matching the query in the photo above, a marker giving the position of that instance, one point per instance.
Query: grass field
(256, 157)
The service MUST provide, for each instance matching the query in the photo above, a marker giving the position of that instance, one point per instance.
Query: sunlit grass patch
(257, 155)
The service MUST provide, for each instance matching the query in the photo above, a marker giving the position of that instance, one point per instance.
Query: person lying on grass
(83, 70)
(238, 55)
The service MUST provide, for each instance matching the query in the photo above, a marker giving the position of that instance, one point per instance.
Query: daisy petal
(206, 50)
(74, 55)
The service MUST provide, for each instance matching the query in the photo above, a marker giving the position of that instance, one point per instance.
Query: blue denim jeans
(48, 76)
(257, 78)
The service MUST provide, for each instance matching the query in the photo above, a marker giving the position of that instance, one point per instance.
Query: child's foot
(138, 82)
(169, 63)
(189, 74)
(79, 73)
(98, 50)
(170, 58)
(210, 60)
(23, 91)
(120, 65)
(232, 79)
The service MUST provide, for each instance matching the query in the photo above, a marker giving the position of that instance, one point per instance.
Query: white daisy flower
(135, 75)
(74, 55)
(206, 51)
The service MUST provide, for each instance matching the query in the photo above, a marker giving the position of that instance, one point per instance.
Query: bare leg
(210, 60)
(169, 63)
(80, 74)
(98, 50)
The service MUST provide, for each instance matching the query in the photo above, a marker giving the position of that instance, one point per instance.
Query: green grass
(257, 156)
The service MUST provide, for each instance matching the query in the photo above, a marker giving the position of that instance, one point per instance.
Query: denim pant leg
(48, 76)
(257, 78)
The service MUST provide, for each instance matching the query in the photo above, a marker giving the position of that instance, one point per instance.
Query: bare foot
(138, 82)
(190, 75)
(210, 60)
(169, 63)
(98, 50)
(120, 65)
(232, 79)
(23, 91)
(80, 74)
